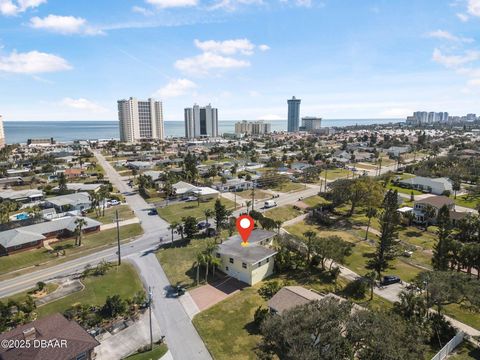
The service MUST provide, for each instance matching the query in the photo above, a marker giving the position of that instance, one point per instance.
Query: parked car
(191, 198)
(203, 225)
(211, 232)
(113, 202)
(390, 279)
(269, 204)
(153, 212)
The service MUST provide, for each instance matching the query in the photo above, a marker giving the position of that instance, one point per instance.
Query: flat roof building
(293, 122)
(201, 122)
(140, 119)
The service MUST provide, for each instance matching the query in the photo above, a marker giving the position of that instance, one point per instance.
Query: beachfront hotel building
(259, 127)
(293, 114)
(140, 120)
(201, 122)
(2, 134)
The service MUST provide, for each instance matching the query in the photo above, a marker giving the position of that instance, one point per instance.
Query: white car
(113, 202)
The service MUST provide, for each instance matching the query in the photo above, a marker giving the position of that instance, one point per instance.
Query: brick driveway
(208, 295)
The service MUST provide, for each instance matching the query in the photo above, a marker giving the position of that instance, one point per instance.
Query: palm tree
(172, 227)
(248, 203)
(428, 215)
(278, 225)
(371, 277)
(80, 223)
(215, 261)
(310, 236)
(180, 230)
(456, 186)
(201, 260)
(208, 214)
(371, 212)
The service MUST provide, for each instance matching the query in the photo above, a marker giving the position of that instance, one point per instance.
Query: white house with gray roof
(435, 186)
(33, 235)
(77, 201)
(251, 263)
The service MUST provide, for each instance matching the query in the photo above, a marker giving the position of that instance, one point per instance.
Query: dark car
(390, 279)
(203, 225)
(153, 212)
(211, 232)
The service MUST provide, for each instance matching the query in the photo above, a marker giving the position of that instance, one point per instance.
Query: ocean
(21, 131)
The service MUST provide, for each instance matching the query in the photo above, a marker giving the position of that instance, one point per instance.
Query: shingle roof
(251, 254)
(291, 296)
(51, 327)
(35, 232)
(70, 199)
(436, 201)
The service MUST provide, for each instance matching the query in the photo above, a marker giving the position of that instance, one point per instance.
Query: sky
(345, 59)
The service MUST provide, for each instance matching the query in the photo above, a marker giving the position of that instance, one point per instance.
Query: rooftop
(53, 327)
(251, 254)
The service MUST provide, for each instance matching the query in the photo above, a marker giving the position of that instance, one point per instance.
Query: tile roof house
(251, 263)
(32, 236)
(437, 202)
(66, 339)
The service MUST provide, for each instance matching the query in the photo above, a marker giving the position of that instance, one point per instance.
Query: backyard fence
(451, 345)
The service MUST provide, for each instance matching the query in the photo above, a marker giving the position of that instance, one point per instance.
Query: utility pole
(253, 194)
(235, 199)
(150, 297)
(326, 169)
(117, 220)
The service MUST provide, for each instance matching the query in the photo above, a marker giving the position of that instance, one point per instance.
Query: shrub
(356, 289)
(269, 289)
(259, 316)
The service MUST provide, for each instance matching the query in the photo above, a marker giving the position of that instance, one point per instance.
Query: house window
(259, 264)
(231, 260)
(268, 260)
(226, 268)
(244, 265)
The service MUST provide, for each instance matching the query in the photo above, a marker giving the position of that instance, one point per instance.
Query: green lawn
(457, 312)
(124, 213)
(228, 330)
(465, 351)
(418, 237)
(283, 213)
(404, 190)
(90, 243)
(157, 352)
(288, 186)
(315, 200)
(122, 280)
(333, 174)
(259, 194)
(467, 201)
(175, 212)
(301, 227)
(178, 262)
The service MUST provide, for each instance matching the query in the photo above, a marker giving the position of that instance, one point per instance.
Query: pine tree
(440, 259)
(389, 220)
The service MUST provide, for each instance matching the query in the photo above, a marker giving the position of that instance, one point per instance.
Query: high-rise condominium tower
(2, 134)
(293, 114)
(201, 122)
(312, 124)
(140, 119)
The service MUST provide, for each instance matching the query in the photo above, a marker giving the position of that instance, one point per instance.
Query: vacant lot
(124, 213)
(119, 280)
(283, 213)
(175, 212)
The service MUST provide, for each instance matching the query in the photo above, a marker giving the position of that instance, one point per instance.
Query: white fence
(451, 345)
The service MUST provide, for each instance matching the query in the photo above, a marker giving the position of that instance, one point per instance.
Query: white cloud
(227, 47)
(83, 104)
(445, 35)
(254, 93)
(12, 7)
(264, 47)
(270, 117)
(203, 63)
(163, 4)
(142, 10)
(474, 82)
(63, 25)
(33, 62)
(231, 5)
(474, 7)
(304, 3)
(453, 61)
(174, 88)
(462, 17)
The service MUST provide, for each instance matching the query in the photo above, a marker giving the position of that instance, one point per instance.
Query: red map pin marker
(245, 226)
